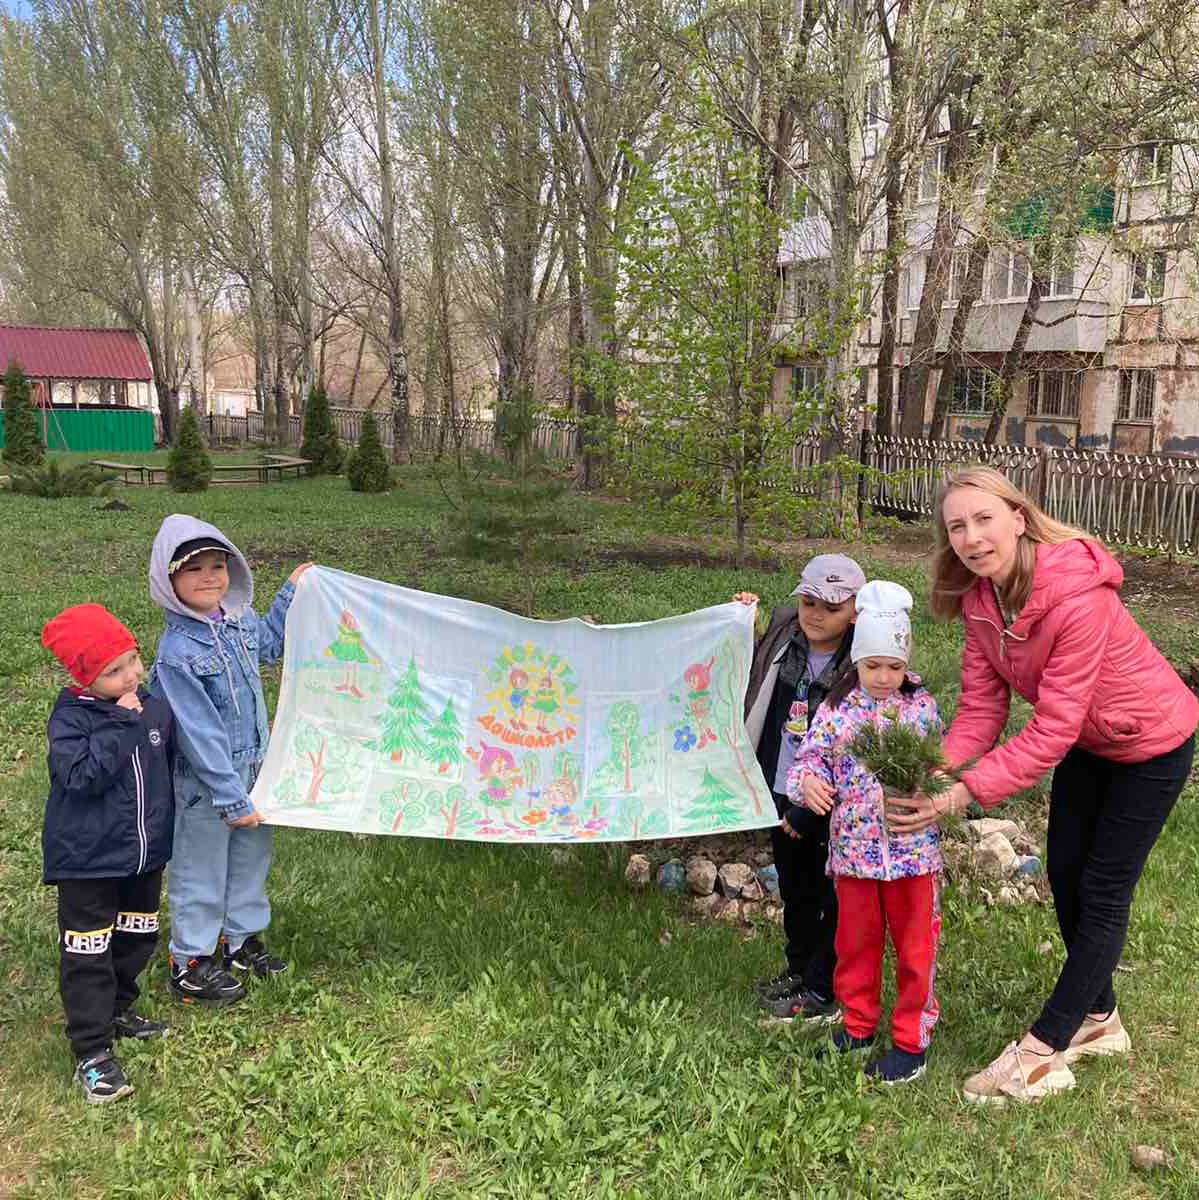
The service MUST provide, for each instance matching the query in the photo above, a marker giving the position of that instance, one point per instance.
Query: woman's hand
(913, 814)
(817, 795)
(747, 598)
(294, 577)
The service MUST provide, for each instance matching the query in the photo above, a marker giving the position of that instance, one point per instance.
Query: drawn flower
(595, 825)
(535, 816)
(684, 739)
(560, 810)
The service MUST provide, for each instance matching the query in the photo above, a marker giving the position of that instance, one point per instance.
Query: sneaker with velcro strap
(102, 1078)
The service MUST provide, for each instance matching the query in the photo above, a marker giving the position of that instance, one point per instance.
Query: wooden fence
(1149, 500)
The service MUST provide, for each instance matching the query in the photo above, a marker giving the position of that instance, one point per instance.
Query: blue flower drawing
(684, 739)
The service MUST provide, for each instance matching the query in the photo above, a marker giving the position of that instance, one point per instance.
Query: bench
(273, 468)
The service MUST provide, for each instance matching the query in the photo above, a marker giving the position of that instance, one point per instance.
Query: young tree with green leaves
(321, 445)
(699, 297)
(189, 465)
(367, 468)
(22, 426)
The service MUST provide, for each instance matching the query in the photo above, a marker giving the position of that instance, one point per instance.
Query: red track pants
(910, 909)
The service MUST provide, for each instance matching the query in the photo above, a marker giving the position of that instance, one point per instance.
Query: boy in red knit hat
(106, 838)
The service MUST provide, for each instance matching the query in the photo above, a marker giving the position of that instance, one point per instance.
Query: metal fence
(1149, 500)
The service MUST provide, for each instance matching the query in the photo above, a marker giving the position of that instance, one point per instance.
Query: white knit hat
(883, 628)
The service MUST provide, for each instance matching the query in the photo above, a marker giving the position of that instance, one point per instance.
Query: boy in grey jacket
(207, 669)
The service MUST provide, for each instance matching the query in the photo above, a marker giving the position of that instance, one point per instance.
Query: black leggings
(1104, 818)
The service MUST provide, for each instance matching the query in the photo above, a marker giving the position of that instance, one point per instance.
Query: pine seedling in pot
(906, 761)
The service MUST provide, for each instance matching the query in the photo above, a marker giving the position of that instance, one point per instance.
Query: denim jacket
(208, 671)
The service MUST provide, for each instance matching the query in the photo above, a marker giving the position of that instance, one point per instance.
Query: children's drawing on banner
(327, 771)
(693, 730)
(532, 700)
(420, 729)
(429, 716)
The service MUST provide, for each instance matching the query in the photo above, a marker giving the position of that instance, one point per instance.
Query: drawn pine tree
(443, 745)
(715, 807)
(406, 722)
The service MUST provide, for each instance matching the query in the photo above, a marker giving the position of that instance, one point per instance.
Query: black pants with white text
(108, 929)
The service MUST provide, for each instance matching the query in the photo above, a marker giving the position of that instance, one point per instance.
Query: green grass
(473, 1020)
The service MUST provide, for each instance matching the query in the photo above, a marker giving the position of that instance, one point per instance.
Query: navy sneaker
(201, 981)
(804, 1006)
(102, 1079)
(897, 1066)
(252, 956)
(133, 1025)
(843, 1042)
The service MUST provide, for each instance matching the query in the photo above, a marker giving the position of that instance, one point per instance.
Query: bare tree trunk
(955, 354)
(197, 381)
(397, 354)
(1013, 357)
(357, 368)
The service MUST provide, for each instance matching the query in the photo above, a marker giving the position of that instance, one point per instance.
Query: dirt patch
(1170, 588)
(681, 554)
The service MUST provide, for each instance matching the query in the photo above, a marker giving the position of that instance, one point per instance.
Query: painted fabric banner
(410, 713)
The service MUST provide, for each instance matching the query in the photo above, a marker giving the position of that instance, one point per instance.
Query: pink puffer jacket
(1095, 679)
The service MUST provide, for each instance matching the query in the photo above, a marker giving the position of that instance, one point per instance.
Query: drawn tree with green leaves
(406, 721)
(403, 803)
(443, 744)
(629, 749)
(335, 762)
(715, 807)
(624, 721)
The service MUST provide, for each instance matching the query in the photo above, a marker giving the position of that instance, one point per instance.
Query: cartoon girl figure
(349, 651)
(518, 681)
(698, 678)
(545, 700)
(499, 777)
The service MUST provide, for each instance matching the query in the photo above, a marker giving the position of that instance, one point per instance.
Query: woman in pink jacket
(1040, 602)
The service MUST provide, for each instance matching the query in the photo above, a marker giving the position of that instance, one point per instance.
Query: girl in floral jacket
(885, 882)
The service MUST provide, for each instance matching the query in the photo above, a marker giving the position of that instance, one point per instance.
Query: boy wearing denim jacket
(207, 669)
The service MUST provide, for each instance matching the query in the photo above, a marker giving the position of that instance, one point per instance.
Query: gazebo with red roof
(112, 359)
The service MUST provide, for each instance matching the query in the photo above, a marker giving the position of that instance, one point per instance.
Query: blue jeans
(217, 877)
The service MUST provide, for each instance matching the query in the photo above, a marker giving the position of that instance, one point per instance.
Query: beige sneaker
(1019, 1075)
(1099, 1037)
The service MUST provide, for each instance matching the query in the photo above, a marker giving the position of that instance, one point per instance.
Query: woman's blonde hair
(952, 579)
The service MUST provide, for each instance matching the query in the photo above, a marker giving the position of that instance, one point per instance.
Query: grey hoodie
(172, 533)
(208, 671)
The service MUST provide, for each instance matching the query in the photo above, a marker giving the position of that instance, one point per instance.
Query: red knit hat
(85, 639)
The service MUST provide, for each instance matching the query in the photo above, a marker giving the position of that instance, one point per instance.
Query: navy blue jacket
(111, 810)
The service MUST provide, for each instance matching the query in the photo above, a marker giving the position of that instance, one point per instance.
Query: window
(931, 169)
(974, 390)
(914, 276)
(958, 271)
(1009, 275)
(807, 384)
(806, 203)
(804, 291)
(1151, 162)
(1061, 273)
(984, 172)
(1054, 393)
(1136, 396)
(1148, 276)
